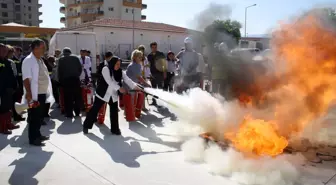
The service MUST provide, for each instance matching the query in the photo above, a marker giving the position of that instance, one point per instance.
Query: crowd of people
(39, 80)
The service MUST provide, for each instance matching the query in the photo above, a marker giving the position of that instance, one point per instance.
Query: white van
(76, 40)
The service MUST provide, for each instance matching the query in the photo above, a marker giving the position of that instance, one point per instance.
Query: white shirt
(30, 70)
(113, 86)
(86, 64)
(201, 64)
(146, 68)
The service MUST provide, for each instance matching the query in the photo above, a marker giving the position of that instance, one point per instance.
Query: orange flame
(305, 60)
(257, 136)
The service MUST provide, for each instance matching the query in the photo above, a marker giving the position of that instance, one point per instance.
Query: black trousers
(168, 82)
(35, 118)
(187, 83)
(72, 96)
(91, 117)
(55, 87)
(157, 82)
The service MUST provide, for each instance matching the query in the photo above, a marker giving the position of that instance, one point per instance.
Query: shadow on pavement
(143, 127)
(166, 113)
(70, 126)
(122, 150)
(4, 141)
(31, 164)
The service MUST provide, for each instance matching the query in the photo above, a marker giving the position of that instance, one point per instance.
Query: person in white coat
(37, 88)
(108, 87)
(86, 64)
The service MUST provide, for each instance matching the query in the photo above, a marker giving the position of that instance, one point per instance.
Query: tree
(227, 31)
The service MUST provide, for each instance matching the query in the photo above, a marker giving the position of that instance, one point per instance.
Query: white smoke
(199, 112)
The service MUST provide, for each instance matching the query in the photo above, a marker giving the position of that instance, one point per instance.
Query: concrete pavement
(145, 154)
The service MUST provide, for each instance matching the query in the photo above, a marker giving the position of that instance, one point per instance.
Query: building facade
(122, 36)
(24, 12)
(77, 12)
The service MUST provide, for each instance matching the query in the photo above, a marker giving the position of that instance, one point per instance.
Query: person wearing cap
(188, 63)
(86, 65)
(158, 76)
(171, 70)
(17, 59)
(69, 70)
(37, 88)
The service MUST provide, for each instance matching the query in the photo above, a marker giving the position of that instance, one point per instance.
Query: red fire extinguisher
(61, 99)
(101, 114)
(87, 94)
(139, 103)
(128, 107)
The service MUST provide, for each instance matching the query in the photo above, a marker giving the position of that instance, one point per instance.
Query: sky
(260, 18)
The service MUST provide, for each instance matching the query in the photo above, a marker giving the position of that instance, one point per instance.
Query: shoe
(43, 123)
(70, 116)
(78, 115)
(19, 118)
(37, 142)
(10, 126)
(44, 138)
(118, 133)
(85, 130)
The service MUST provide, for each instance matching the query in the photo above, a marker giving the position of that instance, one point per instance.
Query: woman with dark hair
(108, 87)
(7, 88)
(171, 70)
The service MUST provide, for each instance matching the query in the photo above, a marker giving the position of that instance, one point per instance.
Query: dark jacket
(18, 65)
(69, 66)
(8, 84)
(153, 58)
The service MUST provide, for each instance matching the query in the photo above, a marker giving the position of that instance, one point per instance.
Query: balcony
(62, 1)
(74, 3)
(91, 12)
(62, 9)
(40, 13)
(143, 17)
(39, 5)
(40, 21)
(62, 19)
(144, 6)
(133, 4)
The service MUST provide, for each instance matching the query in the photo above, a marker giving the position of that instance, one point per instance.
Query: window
(3, 5)
(17, 8)
(29, 1)
(4, 21)
(29, 16)
(29, 8)
(30, 23)
(126, 10)
(17, 1)
(4, 14)
(18, 16)
(111, 9)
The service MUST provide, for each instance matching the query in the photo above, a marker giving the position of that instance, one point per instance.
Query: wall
(119, 40)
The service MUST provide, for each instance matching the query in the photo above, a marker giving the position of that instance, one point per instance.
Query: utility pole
(246, 16)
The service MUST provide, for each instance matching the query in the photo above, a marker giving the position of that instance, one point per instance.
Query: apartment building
(24, 12)
(81, 11)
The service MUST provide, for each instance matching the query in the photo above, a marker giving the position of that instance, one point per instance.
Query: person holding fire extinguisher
(108, 87)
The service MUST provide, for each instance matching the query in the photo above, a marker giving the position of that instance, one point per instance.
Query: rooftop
(142, 25)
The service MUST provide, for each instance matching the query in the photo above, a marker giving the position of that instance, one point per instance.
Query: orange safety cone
(129, 107)
(139, 103)
(101, 114)
(61, 99)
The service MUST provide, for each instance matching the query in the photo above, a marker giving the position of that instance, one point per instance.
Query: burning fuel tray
(314, 154)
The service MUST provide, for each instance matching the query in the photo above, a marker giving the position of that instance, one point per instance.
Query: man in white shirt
(37, 91)
(86, 64)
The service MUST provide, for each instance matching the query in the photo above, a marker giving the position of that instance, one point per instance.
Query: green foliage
(227, 31)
